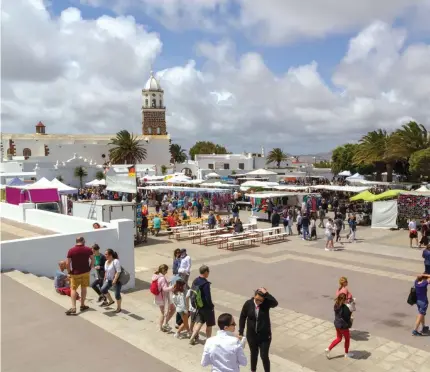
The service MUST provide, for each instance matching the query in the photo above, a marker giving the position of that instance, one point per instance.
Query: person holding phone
(256, 315)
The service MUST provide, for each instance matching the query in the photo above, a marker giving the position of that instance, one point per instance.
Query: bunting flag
(132, 171)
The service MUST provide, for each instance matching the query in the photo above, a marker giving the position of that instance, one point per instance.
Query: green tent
(388, 194)
(365, 195)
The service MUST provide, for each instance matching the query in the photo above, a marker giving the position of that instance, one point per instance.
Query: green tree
(100, 175)
(342, 160)
(81, 173)
(410, 138)
(276, 156)
(126, 149)
(322, 164)
(419, 163)
(376, 148)
(178, 153)
(206, 147)
(163, 170)
(60, 178)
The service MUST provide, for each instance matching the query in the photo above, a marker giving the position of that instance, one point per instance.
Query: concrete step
(136, 325)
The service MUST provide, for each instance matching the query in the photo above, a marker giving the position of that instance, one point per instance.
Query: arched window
(158, 130)
(146, 102)
(149, 130)
(161, 103)
(26, 152)
(154, 103)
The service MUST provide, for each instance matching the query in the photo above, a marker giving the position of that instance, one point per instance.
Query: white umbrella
(261, 172)
(213, 175)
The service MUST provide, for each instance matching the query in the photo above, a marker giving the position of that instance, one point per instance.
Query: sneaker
(425, 329)
(416, 333)
(326, 249)
(327, 353)
(192, 341)
(176, 335)
(349, 355)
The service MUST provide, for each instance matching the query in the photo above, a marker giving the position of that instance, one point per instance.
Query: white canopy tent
(43, 183)
(355, 177)
(423, 189)
(63, 188)
(96, 183)
(261, 172)
(345, 174)
(218, 184)
(291, 187)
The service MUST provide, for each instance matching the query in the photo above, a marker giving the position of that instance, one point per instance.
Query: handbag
(124, 276)
(351, 306)
(412, 298)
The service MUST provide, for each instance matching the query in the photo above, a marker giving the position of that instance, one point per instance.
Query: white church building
(49, 154)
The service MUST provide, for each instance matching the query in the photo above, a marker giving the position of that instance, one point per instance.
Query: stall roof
(265, 195)
(365, 195)
(388, 194)
(291, 187)
(341, 188)
(184, 188)
(261, 172)
(416, 193)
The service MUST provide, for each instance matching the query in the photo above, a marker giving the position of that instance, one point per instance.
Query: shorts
(81, 280)
(427, 269)
(205, 316)
(235, 214)
(422, 307)
(329, 237)
(413, 235)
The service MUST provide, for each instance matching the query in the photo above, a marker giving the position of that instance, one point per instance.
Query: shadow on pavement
(360, 335)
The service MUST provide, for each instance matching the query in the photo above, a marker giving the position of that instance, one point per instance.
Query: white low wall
(40, 255)
(60, 222)
(12, 212)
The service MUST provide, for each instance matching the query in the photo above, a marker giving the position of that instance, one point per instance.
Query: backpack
(196, 297)
(154, 289)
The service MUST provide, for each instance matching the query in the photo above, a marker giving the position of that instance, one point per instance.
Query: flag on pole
(132, 171)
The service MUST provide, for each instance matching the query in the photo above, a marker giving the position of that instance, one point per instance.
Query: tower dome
(152, 83)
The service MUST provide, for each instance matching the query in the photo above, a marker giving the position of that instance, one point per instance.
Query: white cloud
(84, 76)
(275, 22)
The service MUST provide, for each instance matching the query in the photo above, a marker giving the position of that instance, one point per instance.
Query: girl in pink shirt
(343, 288)
(163, 300)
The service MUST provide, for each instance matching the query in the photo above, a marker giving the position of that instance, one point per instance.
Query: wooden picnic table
(268, 231)
(224, 238)
(197, 235)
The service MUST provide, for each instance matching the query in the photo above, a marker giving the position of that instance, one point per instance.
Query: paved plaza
(303, 277)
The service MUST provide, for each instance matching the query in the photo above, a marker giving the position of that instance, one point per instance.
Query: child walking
(179, 300)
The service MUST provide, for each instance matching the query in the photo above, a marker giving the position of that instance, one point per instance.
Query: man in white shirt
(185, 266)
(224, 351)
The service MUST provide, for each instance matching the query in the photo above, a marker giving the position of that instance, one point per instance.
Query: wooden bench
(274, 238)
(240, 242)
(211, 238)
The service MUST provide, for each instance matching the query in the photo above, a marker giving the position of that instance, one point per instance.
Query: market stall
(412, 204)
(279, 199)
(216, 199)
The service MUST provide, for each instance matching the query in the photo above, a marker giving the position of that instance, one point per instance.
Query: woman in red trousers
(342, 322)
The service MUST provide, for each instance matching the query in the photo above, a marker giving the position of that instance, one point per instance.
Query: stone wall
(154, 120)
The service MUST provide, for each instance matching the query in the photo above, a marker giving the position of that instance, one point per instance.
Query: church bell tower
(153, 109)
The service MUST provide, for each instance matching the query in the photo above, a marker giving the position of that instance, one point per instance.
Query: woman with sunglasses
(256, 314)
(224, 351)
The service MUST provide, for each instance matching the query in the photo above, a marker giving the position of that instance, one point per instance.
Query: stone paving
(303, 277)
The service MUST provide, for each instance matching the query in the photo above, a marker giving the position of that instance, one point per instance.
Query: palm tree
(60, 178)
(178, 153)
(375, 148)
(100, 175)
(276, 156)
(410, 138)
(127, 149)
(163, 170)
(81, 172)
